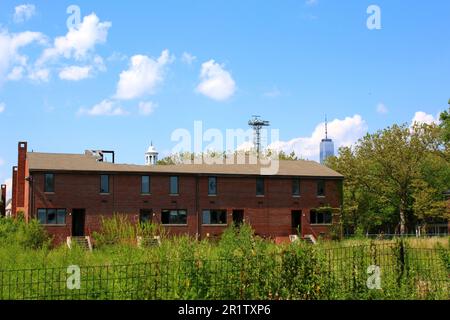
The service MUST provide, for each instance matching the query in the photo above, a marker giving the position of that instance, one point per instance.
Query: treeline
(188, 157)
(395, 178)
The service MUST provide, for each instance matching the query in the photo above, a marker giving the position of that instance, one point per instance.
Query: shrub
(29, 235)
(32, 235)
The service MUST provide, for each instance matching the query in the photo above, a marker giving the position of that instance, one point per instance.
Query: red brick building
(69, 193)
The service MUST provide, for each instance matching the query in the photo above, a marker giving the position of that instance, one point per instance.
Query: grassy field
(238, 266)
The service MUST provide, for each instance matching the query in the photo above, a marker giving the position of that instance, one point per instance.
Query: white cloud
(188, 58)
(78, 42)
(422, 117)
(16, 73)
(2, 107)
(382, 109)
(24, 12)
(216, 83)
(117, 56)
(10, 58)
(146, 108)
(104, 108)
(99, 64)
(39, 75)
(344, 132)
(142, 76)
(75, 73)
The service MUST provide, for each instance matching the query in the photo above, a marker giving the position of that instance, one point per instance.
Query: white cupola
(151, 156)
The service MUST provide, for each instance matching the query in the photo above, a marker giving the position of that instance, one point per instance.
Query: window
(214, 217)
(49, 185)
(145, 184)
(174, 217)
(321, 188)
(296, 187)
(320, 217)
(52, 216)
(145, 216)
(212, 185)
(104, 183)
(173, 185)
(259, 186)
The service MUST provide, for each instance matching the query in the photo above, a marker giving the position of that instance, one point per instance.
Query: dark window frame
(57, 216)
(149, 184)
(217, 211)
(321, 188)
(296, 184)
(169, 211)
(215, 186)
(320, 217)
(52, 189)
(260, 180)
(178, 185)
(101, 184)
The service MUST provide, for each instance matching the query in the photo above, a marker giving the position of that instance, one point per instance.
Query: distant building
(326, 146)
(3, 200)
(8, 208)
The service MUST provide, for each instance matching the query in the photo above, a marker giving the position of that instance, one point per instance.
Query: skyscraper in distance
(326, 146)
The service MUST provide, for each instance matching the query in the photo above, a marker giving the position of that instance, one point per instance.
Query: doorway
(296, 224)
(145, 216)
(238, 217)
(78, 218)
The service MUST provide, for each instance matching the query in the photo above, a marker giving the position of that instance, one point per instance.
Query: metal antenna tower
(257, 125)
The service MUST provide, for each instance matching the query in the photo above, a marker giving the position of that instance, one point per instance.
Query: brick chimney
(14, 192)
(3, 201)
(21, 175)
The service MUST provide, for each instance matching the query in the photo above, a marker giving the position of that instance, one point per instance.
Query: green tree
(445, 124)
(399, 171)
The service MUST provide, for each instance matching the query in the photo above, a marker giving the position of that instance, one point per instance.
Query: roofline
(341, 177)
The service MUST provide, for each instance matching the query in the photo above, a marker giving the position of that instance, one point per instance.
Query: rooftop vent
(101, 155)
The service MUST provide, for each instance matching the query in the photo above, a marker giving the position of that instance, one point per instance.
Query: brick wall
(269, 215)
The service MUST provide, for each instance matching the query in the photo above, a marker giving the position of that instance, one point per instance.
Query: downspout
(199, 237)
(31, 212)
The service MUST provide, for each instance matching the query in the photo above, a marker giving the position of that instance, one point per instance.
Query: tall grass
(239, 266)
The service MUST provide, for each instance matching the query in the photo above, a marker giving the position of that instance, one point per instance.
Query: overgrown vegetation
(15, 232)
(239, 266)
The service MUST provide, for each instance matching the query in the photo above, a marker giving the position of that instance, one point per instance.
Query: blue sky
(135, 71)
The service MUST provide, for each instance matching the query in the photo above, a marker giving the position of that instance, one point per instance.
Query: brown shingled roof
(80, 162)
